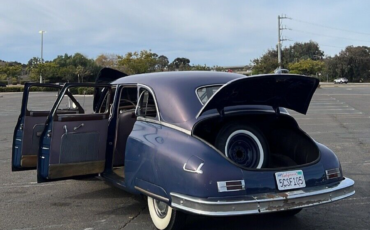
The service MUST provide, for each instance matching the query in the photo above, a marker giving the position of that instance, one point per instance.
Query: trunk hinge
(221, 111)
(277, 110)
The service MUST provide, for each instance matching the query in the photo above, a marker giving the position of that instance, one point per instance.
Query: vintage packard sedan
(208, 143)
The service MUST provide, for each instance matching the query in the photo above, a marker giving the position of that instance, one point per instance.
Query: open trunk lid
(105, 76)
(276, 90)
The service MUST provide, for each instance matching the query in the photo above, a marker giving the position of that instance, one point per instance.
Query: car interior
(126, 118)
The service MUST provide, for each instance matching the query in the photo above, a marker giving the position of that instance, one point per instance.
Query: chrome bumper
(268, 202)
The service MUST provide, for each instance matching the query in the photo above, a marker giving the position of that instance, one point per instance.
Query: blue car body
(165, 158)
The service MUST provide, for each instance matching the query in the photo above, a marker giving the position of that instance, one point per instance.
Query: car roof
(175, 92)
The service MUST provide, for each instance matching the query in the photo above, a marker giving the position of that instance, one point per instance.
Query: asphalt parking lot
(338, 116)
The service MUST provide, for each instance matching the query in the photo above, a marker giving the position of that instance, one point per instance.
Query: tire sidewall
(159, 223)
(229, 130)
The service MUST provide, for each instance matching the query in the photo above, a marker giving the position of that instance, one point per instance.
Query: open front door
(31, 122)
(75, 144)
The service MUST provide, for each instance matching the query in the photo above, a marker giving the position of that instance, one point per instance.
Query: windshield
(205, 93)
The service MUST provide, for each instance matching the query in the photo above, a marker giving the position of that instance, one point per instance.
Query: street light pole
(42, 51)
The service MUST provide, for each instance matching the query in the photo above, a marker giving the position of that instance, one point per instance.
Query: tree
(79, 60)
(49, 71)
(138, 62)
(294, 53)
(306, 67)
(11, 72)
(107, 60)
(352, 63)
(63, 60)
(201, 67)
(265, 64)
(180, 64)
(298, 51)
(162, 63)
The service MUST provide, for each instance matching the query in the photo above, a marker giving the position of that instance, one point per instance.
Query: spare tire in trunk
(243, 144)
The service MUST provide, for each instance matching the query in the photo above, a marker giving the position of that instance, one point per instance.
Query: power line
(325, 35)
(323, 45)
(332, 46)
(329, 27)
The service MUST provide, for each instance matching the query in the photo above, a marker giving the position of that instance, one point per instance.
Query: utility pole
(280, 28)
(42, 51)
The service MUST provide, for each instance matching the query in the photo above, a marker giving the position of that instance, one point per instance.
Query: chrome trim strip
(223, 187)
(188, 132)
(154, 97)
(149, 120)
(268, 202)
(152, 194)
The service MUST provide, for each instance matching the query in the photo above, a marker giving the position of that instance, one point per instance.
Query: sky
(217, 32)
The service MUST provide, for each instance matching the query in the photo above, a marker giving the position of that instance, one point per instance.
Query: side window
(146, 107)
(128, 99)
(81, 99)
(41, 98)
(205, 93)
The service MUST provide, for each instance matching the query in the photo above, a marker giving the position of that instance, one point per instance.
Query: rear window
(206, 92)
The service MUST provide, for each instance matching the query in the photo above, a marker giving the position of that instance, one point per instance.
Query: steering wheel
(131, 102)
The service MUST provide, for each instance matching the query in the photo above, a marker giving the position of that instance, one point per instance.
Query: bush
(85, 90)
(73, 90)
(43, 89)
(11, 89)
(14, 81)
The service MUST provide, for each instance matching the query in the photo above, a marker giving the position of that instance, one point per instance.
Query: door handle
(77, 127)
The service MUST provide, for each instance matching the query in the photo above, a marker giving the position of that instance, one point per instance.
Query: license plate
(290, 180)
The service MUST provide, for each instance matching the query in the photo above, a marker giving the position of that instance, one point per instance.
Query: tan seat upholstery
(126, 121)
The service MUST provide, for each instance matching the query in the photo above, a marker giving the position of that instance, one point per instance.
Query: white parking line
(330, 109)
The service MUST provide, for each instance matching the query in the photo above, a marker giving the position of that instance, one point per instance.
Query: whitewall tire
(244, 144)
(163, 216)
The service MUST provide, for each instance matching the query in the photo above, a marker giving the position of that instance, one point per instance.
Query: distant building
(241, 69)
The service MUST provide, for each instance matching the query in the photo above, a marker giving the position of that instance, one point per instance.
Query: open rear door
(75, 144)
(31, 122)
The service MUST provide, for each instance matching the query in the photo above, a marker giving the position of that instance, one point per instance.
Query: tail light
(333, 173)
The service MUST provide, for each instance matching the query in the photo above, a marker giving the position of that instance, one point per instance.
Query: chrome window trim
(154, 97)
(204, 86)
(188, 132)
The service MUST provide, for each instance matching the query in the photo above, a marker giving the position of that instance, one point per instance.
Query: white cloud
(217, 32)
